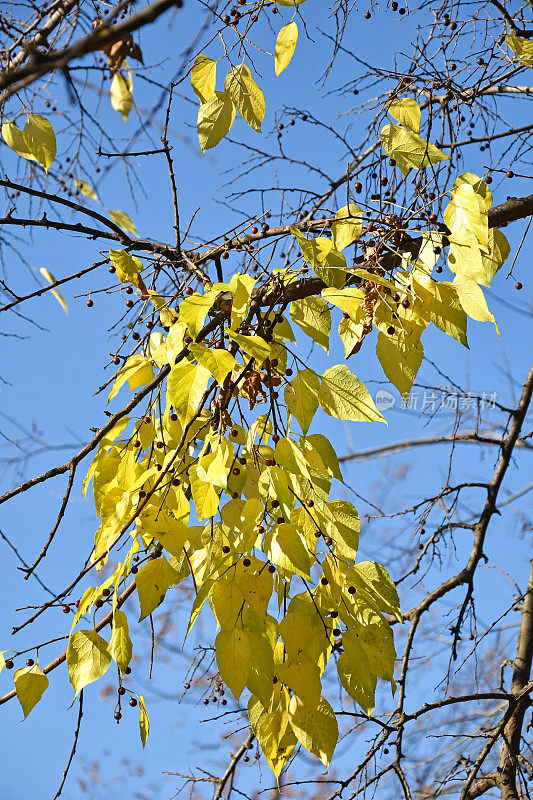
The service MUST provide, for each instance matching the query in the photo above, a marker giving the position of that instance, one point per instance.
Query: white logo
(384, 400)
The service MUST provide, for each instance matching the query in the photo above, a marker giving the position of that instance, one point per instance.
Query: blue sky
(52, 372)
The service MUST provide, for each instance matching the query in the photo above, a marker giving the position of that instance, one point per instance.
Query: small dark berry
(121, 690)
(351, 589)
(117, 715)
(324, 581)
(488, 180)
(133, 702)
(246, 562)
(510, 173)
(66, 609)
(367, 15)
(189, 290)
(226, 549)
(9, 664)
(518, 285)
(328, 541)
(390, 330)
(406, 303)
(30, 662)
(89, 303)
(310, 503)
(128, 670)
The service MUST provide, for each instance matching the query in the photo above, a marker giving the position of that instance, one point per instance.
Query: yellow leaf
(215, 119)
(87, 658)
(186, 385)
(466, 212)
(203, 77)
(120, 646)
(343, 396)
(144, 722)
(254, 346)
(165, 315)
(473, 300)
(152, 581)
(193, 310)
(40, 140)
(407, 112)
(86, 189)
(301, 397)
(400, 356)
(272, 728)
(227, 602)
(128, 267)
(348, 300)
(303, 677)
(316, 729)
(313, 316)
(246, 96)
(137, 370)
(479, 187)
(14, 138)
(51, 279)
(30, 684)
(206, 498)
(522, 48)
(287, 548)
(285, 46)
(234, 659)
(375, 584)
(124, 221)
(355, 672)
(244, 285)
(375, 635)
(327, 262)
(122, 94)
(347, 226)
(261, 674)
(408, 149)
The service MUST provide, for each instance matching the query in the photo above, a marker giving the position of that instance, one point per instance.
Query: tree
(216, 481)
